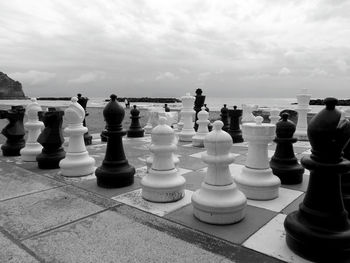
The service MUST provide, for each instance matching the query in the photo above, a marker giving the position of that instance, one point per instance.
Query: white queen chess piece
(187, 114)
(198, 138)
(77, 161)
(218, 201)
(34, 127)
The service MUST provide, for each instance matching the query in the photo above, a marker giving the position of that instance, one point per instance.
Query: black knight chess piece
(115, 170)
(83, 102)
(235, 130)
(198, 104)
(224, 118)
(320, 229)
(13, 131)
(283, 163)
(135, 130)
(51, 139)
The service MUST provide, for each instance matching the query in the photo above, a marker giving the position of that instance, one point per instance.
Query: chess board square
(236, 233)
(194, 179)
(294, 206)
(271, 240)
(135, 199)
(286, 196)
(234, 169)
(191, 163)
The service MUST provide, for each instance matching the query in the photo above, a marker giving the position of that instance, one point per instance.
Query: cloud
(33, 77)
(342, 65)
(166, 76)
(284, 71)
(88, 77)
(319, 72)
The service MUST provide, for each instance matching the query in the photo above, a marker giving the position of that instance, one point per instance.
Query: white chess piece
(34, 127)
(77, 161)
(274, 115)
(256, 180)
(218, 201)
(163, 183)
(198, 138)
(148, 128)
(247, 113)
(187, 113)
(303, 108)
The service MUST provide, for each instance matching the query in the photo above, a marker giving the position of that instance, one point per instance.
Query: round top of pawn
(32, 109)
(258, 130)
(218, 142)
(275, 111)
(328, 133)
(162, 134)
(134, 111)
(285, 128)
(113, 114)
(75, 113)
(203, 114)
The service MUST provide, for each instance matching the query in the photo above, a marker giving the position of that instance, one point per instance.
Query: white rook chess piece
(256, 180)
(163, 183)
(218, 201)
(247, 114)
(187, 113)
(303, 108)
(274, 115)
(77, 161)
(33, 126)
(198, 138)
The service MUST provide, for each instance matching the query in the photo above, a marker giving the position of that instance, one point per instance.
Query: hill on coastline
(10, 89)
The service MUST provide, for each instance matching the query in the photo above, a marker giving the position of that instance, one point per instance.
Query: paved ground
(45, 217)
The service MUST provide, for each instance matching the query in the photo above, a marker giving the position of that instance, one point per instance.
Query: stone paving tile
(34, 213)
(191, 163)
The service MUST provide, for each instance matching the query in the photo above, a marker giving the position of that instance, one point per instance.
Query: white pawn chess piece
(148, 128)
(247, 114)
(198, 138)
(303, 108)
(187, 113)
(274, 115)
(34, 127)
(163, 183)
(256, 179)
(77, 161)
(218, 201)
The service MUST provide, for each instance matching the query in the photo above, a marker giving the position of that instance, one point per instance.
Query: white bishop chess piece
(34, 127)
(187, 114)
(218, 201)
(198, 139)
(163, 183)
(77, 161)
(256, 180)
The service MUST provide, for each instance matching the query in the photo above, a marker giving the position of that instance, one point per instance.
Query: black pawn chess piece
(135, 129)
(166, 108)
(345, 181)
(115, 170)
(51, 139)
(283, 163)
(234, 130)
(198, 104)
(224, 118)
(13, 131)
(83, 102)
(320, 229)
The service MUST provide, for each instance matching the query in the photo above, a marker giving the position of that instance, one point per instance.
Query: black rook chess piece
(224, 118)
(51, 139)
(135, 129)
(234, 130)
(13, 131)
(320, 229)
(198, 104)
(283, 163)
(115, 170)
(83, 102)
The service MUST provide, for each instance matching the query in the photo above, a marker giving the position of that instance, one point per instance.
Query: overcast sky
(252, 48)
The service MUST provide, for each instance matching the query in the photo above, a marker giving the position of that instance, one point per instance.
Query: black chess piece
(13, 131)
(166, 108)
(283, 163)
(234, 130)
(115, 170)
(345, 181)
(51, 139)
(104, 132)
(198, 104)
(224, 118)
(320, 229)
(135, 130)
(83, 102)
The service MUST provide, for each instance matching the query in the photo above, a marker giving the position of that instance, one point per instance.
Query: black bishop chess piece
(320, 229)
(51, 139)
(283, 163)
(345, 181)
(13, 131)
(224, 118)
(235, 130)
(135, 130)
(115, 170)
(198, 104)
(83, 102)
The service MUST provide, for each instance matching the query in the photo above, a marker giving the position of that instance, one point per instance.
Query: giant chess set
(263, 191)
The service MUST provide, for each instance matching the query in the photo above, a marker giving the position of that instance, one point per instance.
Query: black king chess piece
(83, 102)
(135, 130)
(115, 170)
(283, 163)
(320, 229)
(198, 104)
(224, 118)
(234, 130)
(51, 139)
(13, 131)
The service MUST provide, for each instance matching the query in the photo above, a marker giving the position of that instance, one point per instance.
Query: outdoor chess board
(260, 236)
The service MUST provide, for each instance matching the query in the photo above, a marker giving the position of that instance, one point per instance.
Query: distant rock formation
(10, 89)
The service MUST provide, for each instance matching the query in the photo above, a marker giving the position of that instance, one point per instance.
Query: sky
(155, 48)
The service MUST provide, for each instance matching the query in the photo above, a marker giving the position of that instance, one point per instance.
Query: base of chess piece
(13, 146)
(47, 160)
